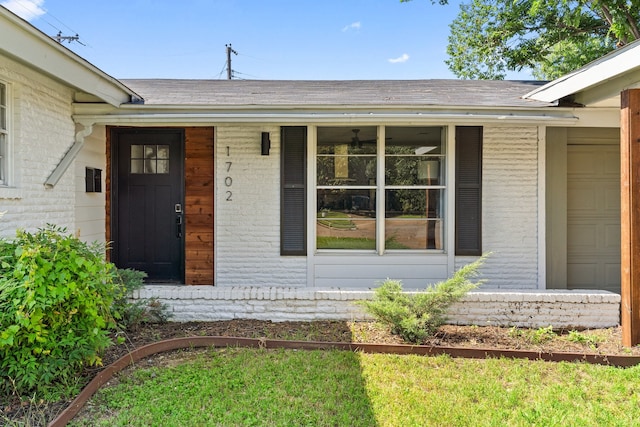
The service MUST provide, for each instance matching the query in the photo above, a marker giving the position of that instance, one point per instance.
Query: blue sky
(275, 39)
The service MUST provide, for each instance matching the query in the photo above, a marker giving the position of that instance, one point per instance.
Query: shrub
(56, 294)
(417, 315)
(132, 313)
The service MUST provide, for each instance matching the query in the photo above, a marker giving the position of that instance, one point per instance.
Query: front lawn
(330, 242)
(338, 220)
(244, 387)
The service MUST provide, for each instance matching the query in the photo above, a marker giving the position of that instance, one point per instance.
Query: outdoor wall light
(266, 143)
(93, 180)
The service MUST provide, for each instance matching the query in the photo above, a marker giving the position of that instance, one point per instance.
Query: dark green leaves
(549, 37)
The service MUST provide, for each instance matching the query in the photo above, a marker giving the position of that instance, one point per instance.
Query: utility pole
(60, 38)
(229, 51)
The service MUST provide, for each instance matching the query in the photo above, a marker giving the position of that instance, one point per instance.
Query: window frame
(5, 149)
(346, 187)
(381, 189)
(440, 187)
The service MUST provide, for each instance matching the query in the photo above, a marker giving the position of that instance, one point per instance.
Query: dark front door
(148, 202)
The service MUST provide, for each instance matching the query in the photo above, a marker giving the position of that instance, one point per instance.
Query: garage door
(593, 217)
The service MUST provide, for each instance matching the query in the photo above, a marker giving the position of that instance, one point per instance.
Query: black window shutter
(468, 190)
(293, 191)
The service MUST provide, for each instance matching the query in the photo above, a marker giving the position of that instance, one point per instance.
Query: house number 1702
(228, 181)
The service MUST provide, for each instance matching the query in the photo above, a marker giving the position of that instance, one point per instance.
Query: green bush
(56, 293)
(133, 313)
(417, 315)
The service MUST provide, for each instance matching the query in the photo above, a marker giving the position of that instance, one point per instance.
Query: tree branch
(633, 25)
(622, 38)
(607, 14)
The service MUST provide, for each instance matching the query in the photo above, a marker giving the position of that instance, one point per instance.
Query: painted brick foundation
(558, 308)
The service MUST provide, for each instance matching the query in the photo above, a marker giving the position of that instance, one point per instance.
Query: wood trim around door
(199, 203)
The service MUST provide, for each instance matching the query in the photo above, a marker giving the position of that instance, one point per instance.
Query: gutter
(418, 117)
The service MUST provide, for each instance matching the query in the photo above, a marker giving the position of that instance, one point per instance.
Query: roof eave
(35, 49)
(596, 81)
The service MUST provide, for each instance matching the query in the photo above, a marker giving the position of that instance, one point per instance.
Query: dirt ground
(598, 341)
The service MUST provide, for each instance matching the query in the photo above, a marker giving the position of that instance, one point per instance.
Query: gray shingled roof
(446, 93)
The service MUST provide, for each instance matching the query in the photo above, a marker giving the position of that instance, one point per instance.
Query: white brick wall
(41, 132)
(558, 308)
(509, 208)
(247, 231)
(247, 227)
(90, 207)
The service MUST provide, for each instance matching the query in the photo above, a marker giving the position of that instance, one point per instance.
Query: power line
(59, 37)
(224, 67)
(244, 74)
(30, 12)
(63, 24)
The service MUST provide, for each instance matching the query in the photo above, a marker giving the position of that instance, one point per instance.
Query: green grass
(324, 242)
(241, 387)
(245, 387)
(338, 220)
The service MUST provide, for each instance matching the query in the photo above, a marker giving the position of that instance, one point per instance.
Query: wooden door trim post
(630, 216)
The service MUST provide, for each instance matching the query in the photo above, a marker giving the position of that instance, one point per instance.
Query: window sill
(392, 252)
(10, 193)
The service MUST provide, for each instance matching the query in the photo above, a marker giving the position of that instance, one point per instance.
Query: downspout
(70, 155)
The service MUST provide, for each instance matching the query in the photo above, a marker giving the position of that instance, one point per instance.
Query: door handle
(178, 226)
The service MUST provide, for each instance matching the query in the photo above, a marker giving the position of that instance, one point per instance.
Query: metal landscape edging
(217, 341)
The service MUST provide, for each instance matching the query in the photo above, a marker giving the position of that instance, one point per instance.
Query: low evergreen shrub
(415, 316)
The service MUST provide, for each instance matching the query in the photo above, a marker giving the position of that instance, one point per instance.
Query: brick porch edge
(558, 308)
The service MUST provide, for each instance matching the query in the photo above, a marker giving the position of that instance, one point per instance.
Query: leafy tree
(550, 37)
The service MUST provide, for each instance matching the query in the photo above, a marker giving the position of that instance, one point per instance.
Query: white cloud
(403, 58)
(25, 9)
(352, 26)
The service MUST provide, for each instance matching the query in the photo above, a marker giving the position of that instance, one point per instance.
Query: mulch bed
(606, 341)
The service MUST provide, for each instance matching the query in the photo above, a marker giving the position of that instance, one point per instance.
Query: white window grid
(381, 186)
